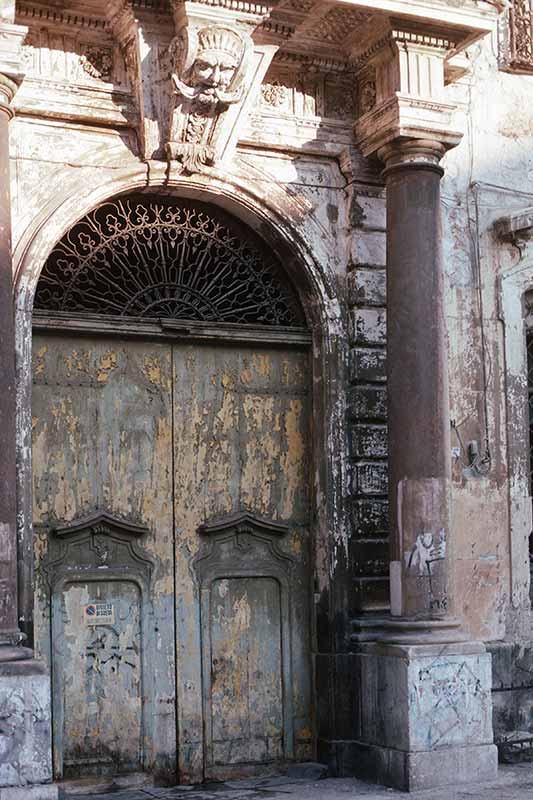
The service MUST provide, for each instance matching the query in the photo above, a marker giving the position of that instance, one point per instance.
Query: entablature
(194, 77)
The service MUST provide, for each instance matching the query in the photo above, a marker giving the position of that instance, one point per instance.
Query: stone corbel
(219, 58)
(516, 228)
(194, 70)
(401, 88)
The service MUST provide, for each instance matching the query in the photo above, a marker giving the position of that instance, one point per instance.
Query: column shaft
(10, 635)
(417, 375)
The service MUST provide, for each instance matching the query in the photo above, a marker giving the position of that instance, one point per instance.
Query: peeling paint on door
(171, 436)
(247, 702)
(101, 680)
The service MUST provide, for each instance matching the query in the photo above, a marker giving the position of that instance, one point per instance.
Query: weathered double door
(171, 510)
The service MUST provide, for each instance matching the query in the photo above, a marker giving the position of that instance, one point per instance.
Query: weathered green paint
(246, 713)
(102, 428)
(101, 673)
(172, 436)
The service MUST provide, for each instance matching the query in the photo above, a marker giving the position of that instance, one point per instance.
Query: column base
(25, 732)
(426, 715)
(412, 772)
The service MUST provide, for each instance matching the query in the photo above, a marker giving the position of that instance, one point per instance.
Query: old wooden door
(171, 505)
(241, 511)
(103, 515)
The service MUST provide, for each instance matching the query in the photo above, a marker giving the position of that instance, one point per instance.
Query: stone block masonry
(367, 424)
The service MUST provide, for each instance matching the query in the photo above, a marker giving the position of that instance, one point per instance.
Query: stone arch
(286, 225)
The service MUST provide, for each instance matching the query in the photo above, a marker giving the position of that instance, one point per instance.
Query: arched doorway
(171, 454)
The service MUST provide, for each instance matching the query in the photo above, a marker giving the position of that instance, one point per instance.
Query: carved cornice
(54, 16)
(277, 29)
(100, 522)
(314, 62)
(243, 521)
(428, 39)
(240, 6)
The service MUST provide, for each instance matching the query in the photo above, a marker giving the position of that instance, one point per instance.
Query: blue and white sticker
(99, 613)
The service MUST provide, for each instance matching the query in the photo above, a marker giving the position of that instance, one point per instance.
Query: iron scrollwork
(166, 260)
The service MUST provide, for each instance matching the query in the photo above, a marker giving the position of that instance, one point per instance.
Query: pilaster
(11, 38)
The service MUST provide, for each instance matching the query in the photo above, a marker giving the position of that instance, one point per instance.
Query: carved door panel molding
(245, 589)
(99, 580)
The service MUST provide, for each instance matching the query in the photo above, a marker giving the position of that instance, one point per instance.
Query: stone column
(417, 385)
(426, 710)
(10, 635)
(25, 703)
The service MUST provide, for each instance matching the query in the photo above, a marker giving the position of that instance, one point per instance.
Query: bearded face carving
(210, 65)
(213, 70)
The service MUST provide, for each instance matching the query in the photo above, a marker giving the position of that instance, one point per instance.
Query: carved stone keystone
(215, 59)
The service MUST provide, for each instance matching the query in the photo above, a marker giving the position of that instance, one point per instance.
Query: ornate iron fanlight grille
(143, 258)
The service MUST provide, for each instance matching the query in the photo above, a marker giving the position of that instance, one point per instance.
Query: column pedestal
(426, 719)
(25, 734)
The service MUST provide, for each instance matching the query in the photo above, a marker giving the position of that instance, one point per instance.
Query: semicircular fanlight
(162, 258)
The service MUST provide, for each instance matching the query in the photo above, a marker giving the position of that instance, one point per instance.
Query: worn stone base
(426, 719)
(25, 734)
(48, 792)
(426, 770)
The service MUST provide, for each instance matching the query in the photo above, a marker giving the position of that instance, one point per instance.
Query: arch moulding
(286, 225)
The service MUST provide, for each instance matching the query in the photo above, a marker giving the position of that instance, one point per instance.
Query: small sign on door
(99, 613)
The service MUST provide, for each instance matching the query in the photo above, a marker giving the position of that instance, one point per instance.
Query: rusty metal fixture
(171, 259)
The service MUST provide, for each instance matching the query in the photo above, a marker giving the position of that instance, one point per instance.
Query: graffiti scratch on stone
(425, 552)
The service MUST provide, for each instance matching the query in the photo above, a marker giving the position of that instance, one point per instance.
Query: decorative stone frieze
(11, 71)
(97, 62)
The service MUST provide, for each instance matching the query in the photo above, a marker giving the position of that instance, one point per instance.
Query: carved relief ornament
(209, 76)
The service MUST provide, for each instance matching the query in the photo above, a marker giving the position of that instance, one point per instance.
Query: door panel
(246, 671)
(98, 676)
(102, 433)
(172, 436)
(241, 443)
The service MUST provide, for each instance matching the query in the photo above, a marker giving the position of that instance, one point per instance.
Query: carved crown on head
(221, 40)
